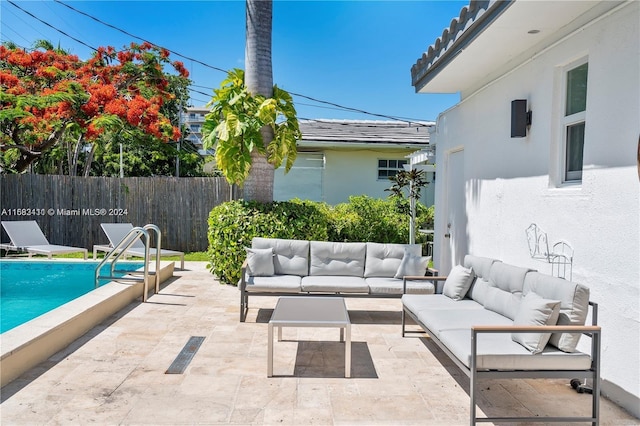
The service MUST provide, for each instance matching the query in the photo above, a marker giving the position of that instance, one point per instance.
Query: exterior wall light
(520, 118)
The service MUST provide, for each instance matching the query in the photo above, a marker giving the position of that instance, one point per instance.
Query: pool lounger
(116, 232)
(26, 235)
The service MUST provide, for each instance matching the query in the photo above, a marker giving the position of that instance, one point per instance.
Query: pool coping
(33, 342)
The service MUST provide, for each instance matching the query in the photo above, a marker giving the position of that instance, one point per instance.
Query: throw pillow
(534, 310)
(412, 265)
(260, 262)
(458, 282)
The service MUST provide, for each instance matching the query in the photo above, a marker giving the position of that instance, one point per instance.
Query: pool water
(31, 288)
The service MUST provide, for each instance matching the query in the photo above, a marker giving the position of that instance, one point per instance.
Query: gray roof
(366, 131)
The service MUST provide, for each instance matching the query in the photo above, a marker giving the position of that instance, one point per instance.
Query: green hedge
(234, 224)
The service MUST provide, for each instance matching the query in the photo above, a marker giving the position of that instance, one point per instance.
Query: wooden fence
(70, 209)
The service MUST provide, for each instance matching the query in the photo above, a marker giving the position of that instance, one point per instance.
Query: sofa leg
(404, 319)
(243, 307)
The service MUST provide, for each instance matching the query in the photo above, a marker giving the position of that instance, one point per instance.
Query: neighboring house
(340, 158)
(573, 173)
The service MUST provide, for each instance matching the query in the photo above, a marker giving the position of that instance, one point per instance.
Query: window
(574, 121)
(388, 168)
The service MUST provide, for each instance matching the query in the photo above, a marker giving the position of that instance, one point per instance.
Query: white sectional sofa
(292, 267)
(496, 320)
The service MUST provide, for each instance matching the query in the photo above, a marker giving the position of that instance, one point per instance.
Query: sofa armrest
(420, 278)
(592, 331)
(585, 329)
(243, 273)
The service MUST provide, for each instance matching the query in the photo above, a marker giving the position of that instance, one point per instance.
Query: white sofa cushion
(334, 284)
(481, 265)
(412, 265)
(291, 256)
(458, 282)
(378, 285)
(534, 310)
(481, 268)
(574, 304)
(499, 352)
(478, 290)
(330, 258)
(454, 319)
(274, 284)
(505, 288)
(383, 260)
(416, 303)
(260, 262)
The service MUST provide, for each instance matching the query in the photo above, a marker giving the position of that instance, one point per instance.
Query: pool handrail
(121, 248)
(156, 229)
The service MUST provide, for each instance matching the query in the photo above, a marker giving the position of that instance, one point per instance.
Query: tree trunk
(89, 161)
(73, 165)
(259, 80)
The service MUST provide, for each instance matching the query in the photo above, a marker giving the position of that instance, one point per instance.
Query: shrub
(234, 224)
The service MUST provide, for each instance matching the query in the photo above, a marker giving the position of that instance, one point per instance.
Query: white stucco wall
(512, 182)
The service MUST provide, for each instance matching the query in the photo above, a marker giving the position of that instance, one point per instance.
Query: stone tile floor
(116, 373)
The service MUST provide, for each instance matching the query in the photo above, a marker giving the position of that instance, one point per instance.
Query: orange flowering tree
(50, 96)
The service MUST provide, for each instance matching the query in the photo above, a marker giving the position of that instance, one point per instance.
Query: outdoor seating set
(492, 319)
(26, 236)
(281, 267)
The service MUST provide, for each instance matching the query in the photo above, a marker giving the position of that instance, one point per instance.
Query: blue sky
(354, 53)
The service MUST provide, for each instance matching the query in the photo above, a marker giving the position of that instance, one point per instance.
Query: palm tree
(259, 81)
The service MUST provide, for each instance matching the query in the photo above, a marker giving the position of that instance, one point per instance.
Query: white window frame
(388, 168)
(566, 121)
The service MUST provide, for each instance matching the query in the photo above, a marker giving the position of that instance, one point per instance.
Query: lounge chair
(25, 235)
(117, 231)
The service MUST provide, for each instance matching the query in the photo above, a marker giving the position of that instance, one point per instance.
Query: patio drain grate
(185, 356)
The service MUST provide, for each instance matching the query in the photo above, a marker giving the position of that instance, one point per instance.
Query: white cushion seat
(499, 352)
(274, 284)
(334, 284)
(394, 286)
(457, 319)
(417, 303)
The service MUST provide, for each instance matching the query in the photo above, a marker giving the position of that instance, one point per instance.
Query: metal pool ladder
(135, 234)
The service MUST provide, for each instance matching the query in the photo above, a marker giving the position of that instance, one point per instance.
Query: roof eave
(427, 68)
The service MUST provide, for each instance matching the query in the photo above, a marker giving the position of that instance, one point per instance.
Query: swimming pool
(31, 288)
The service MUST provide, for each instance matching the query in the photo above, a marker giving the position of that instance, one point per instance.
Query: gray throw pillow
(260, 262)
(534, 310)
(458, 282)
(412, 265)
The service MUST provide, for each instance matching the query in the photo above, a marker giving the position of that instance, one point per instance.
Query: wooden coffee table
(309, 311)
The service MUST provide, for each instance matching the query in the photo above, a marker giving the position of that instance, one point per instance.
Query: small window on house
(574, 122)
(388, 168)
(192, 115)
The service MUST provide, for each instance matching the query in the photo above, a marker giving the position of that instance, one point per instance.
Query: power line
(226, 71)
(23, 21)
(135, 36)
(51, 26)
(333, 104)
(356, 109)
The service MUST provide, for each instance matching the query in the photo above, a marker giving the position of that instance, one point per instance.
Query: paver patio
(116, 373)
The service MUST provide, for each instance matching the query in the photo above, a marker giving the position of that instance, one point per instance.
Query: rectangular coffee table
(301, 311)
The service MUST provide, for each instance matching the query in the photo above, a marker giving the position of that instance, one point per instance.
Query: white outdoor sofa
(281, 267)
(501, 321)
